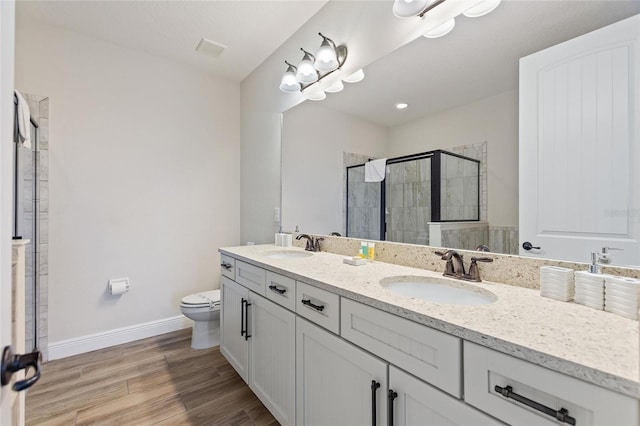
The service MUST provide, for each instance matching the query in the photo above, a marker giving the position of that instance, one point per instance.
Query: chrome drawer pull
(561, 415)
(275, 289)
(310, 304)
(226, 266)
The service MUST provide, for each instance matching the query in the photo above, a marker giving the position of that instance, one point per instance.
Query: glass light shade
(306, 72)
(481, 8)
(409, 8)
(335, 87)
(318, 96)
(326, 58)
(355, 77)
(441, 30)
(289, 83)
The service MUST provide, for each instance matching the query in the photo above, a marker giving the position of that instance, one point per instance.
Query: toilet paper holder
(118, 286)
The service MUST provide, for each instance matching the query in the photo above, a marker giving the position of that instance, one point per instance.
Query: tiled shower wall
(364, 201)
(408, 204)
(36, 206)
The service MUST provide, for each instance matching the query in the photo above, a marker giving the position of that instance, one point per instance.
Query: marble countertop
(594, 346)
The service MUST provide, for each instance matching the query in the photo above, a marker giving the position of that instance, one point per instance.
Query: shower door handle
(12, 363)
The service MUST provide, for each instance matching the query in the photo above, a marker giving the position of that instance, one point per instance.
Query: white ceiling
(251, 30)
(479, 58)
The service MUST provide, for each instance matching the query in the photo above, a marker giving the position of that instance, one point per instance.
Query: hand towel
(24, 121)
(375, 171)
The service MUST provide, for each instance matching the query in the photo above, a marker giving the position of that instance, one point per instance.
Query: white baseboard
(118, 336)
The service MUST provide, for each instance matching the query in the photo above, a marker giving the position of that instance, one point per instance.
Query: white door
(334, 380)
(234, 344)
(413, 402)
(272, 359)
(579, 146)
(7, 16)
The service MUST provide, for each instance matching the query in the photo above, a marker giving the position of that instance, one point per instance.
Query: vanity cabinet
(334, 380)
(258, 340)
(488, 373)
(233, 344)
(413, 402)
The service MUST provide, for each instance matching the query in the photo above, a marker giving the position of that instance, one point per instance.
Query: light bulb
(306, 72)
(326, 58)
(441, 30)
(335, 87)
(481, 8)
(289, 83)
(355, 77)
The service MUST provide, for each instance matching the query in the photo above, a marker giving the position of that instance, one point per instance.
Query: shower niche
(430, 198)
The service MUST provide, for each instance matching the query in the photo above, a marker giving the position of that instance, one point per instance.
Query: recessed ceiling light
(401, 105)
(210, 48)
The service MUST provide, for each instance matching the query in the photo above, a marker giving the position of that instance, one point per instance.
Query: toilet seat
(208, 299)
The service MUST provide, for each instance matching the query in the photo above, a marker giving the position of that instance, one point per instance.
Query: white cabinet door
(272, 359)
(413, 402)
(579, 146)
(334, 380)
(233, 343)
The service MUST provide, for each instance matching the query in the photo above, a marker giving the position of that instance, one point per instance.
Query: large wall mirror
(462, 95)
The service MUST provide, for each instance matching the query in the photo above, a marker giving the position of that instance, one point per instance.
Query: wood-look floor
(155, 381)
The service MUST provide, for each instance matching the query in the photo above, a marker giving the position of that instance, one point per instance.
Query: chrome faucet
(313, 244)
(455, 266)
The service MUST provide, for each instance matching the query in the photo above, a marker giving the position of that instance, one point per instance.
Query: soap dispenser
(594, 268)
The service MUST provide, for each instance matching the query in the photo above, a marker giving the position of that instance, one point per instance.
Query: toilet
(204, 309)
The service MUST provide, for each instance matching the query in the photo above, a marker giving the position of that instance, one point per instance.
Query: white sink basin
(288, 254)
(438, 290)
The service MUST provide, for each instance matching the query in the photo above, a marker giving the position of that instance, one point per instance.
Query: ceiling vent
(210, 48)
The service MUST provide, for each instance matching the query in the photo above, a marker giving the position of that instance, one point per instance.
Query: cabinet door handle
(374, 409)
(562, 415)
(246, 320)
(226, 266)
(391, 395)
(275, 289)
(242, 316)
(310, 304)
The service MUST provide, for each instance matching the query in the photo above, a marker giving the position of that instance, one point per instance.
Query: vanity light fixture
(410, 8)
(335, 87)
(481, 8)
(289, 82)
(355, 77)
(312, 69)
(318, 96)
(441, 30)
(306, 72)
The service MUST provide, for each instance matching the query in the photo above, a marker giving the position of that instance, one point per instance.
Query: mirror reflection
(463, 97)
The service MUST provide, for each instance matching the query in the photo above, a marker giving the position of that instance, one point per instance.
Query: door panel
(579, 146)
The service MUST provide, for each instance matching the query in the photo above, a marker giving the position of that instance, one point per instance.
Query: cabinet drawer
(228, 266)
(588, 404)
(281, 290)
(319, 306)
(250, 276)
(431, 355)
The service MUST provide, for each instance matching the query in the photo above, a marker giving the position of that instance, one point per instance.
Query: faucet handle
(474, 271)
(481, 259)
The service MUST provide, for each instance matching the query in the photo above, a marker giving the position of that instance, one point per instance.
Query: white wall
(495, 120)
(313, 141)
(144, 177)
(370, 31)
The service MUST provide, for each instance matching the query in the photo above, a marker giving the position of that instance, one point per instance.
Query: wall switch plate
(276, 214)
